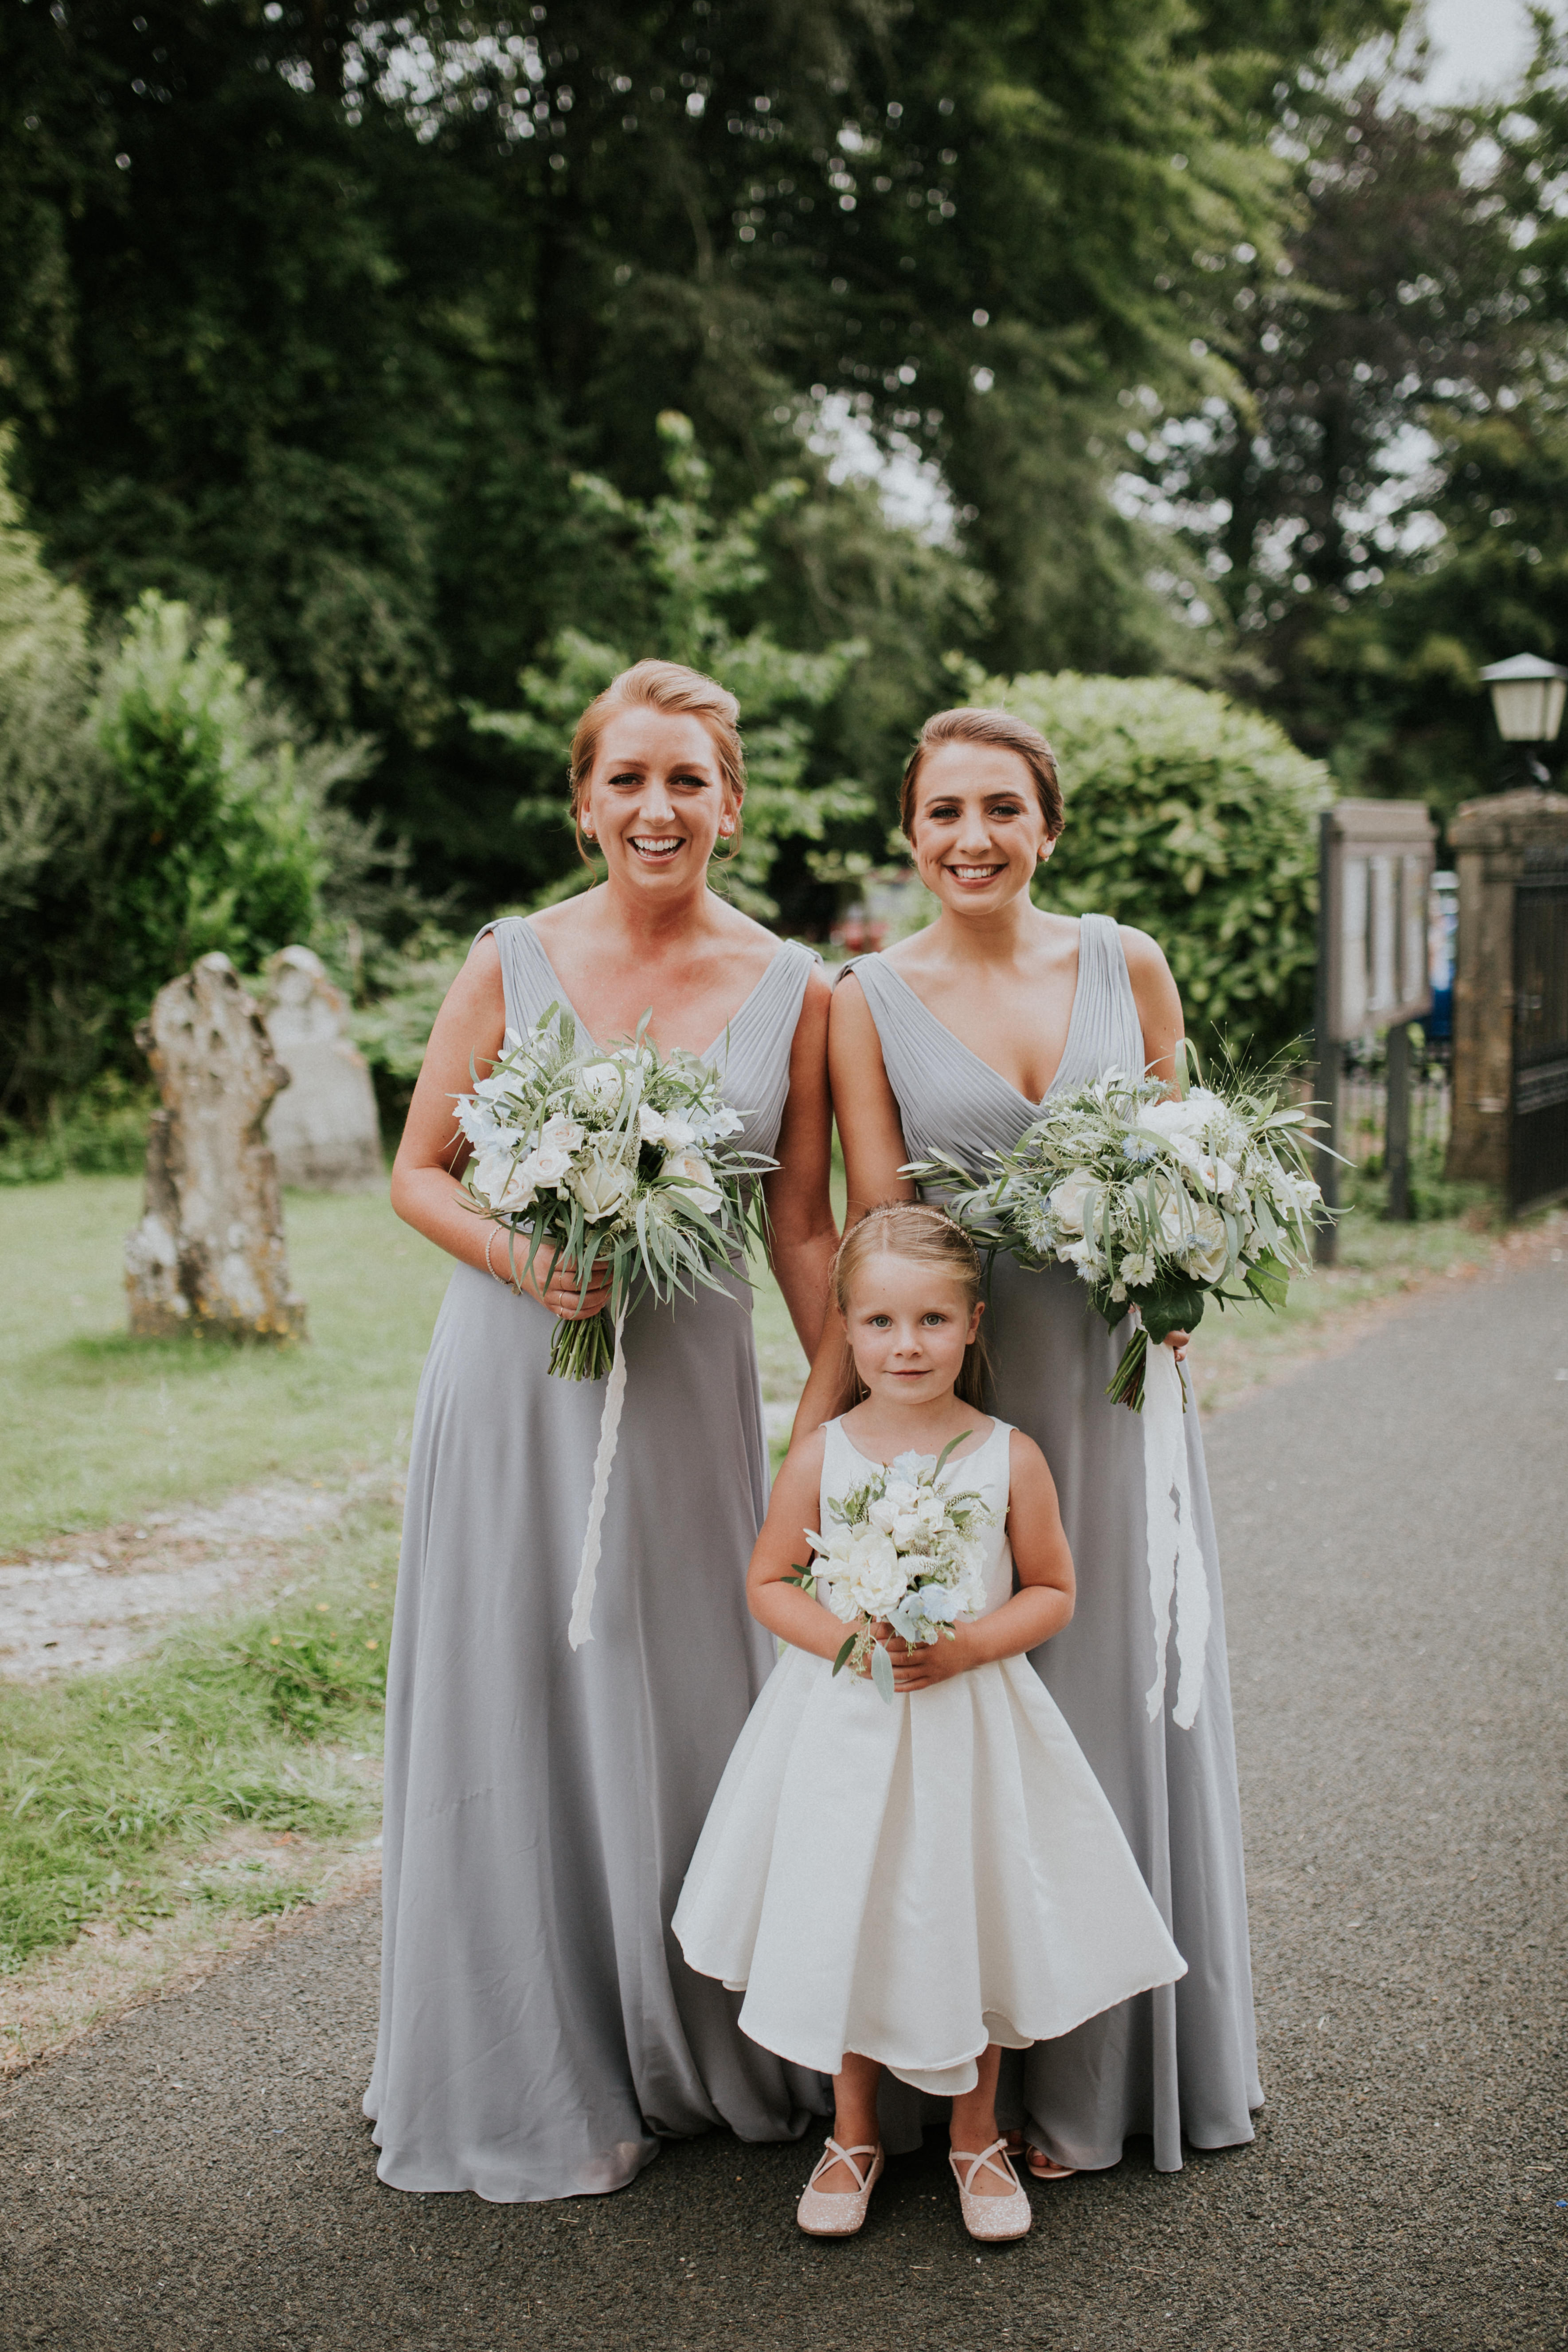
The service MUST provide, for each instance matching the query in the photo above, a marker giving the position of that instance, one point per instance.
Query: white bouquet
(619, 1159)
(905, 1551)
(1157, 1202)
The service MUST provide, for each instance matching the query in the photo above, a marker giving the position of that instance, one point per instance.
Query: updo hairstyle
(1006, 732)
(661, 686)
(925, 1236)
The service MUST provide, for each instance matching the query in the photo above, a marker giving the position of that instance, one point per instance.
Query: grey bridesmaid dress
(1181, 2061)
(540, 2029)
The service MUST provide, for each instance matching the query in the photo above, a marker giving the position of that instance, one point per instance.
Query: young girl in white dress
(916, 1886)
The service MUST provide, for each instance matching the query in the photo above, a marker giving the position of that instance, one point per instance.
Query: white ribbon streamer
(578, 1631)
(1175, 1555)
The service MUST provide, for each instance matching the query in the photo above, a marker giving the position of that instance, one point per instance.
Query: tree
(691, 566)
(309, 315)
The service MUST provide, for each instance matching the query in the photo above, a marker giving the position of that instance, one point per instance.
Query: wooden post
(1326, 1073)
(1397, 1124)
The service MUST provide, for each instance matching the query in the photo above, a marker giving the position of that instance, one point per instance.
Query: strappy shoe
(828, 2213)
(1041, 2167)
(992, 2219)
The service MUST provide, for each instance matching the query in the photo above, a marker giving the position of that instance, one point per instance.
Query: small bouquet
(1158, 1202)
(904, 1550)
(619, 1159)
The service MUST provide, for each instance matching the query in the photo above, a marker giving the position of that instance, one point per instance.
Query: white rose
(550, 1163)
(667, 1128)
(1171, 1118)
(908, 1529)
(563, 1134)
(689, 1172)
(600, 1184)
(878, 1579)
(1206, 1250)
(598, 1088)
(1067, 1200)
(501, 1184)
(882, 1514)
(903, 1494)
(842, 1602)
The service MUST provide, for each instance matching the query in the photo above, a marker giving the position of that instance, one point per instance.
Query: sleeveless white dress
(1181, 2063)
(540, 2031)
(917, 1880)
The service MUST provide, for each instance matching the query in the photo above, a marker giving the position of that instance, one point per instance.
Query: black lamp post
(1526, 702)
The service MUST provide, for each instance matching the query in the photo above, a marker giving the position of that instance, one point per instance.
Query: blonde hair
(669, 687)
(925, 1236)
(1006, 732)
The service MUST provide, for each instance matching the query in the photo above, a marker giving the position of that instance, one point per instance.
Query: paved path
(1393, 1527)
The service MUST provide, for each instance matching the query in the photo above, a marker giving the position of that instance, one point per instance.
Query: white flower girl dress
(917, 1880)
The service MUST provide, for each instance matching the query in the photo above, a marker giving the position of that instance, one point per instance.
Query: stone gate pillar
(1491, 839)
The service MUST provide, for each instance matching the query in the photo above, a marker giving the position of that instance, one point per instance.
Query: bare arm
(433, 1153)
(1043, 1563)
(796, 1504)
(873, 1140)
(1159, 1004)
(800, 1211)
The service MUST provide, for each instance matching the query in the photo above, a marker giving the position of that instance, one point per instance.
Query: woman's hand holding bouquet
(615, 1166)
(1158, 1202)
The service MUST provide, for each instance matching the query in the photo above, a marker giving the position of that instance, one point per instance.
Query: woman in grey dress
(539, 2030)
(949, 1043)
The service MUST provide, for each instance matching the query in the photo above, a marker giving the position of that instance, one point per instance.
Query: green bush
(216, 842)
(1198, 822)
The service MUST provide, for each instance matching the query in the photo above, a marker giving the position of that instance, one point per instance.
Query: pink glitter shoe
(992, 2219)
(828, 2213)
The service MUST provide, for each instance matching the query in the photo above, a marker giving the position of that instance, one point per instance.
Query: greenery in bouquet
(617, 1159)
(1158, 1202)
(905, 1550)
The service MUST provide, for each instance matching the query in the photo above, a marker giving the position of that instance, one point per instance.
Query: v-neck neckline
(1032, 1108)
(556, 982)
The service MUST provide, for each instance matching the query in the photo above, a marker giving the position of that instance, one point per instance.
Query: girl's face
(908, 1326)
(656, 802)
(977, 829)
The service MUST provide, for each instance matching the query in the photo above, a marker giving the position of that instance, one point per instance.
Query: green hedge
(1198, 822)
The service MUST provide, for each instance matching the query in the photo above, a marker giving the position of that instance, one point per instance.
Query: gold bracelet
(489, 1268)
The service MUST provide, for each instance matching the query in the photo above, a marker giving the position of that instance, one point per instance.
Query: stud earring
(726, 826)
(590, 832)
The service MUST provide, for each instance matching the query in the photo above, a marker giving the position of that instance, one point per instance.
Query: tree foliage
(693, 567)
(1197, 821)
(154, 804)
(310, 315)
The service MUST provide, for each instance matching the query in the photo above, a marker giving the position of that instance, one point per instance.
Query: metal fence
(1363, 1105)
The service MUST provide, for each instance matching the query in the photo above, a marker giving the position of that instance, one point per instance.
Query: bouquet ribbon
(1176, 1568)
(579, 1630)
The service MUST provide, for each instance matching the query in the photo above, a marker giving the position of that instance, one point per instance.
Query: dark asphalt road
(1394, 1528)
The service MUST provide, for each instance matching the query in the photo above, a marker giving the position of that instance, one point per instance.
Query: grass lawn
(101, 1427)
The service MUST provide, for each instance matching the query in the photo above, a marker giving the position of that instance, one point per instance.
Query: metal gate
(1538, 1140)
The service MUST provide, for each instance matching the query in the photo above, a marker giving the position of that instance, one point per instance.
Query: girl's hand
(1178, 1343)
(552, 1279)
(927, 1662)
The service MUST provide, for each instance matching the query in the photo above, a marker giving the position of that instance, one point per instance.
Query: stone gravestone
(323, 1129)
(208, 1254)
